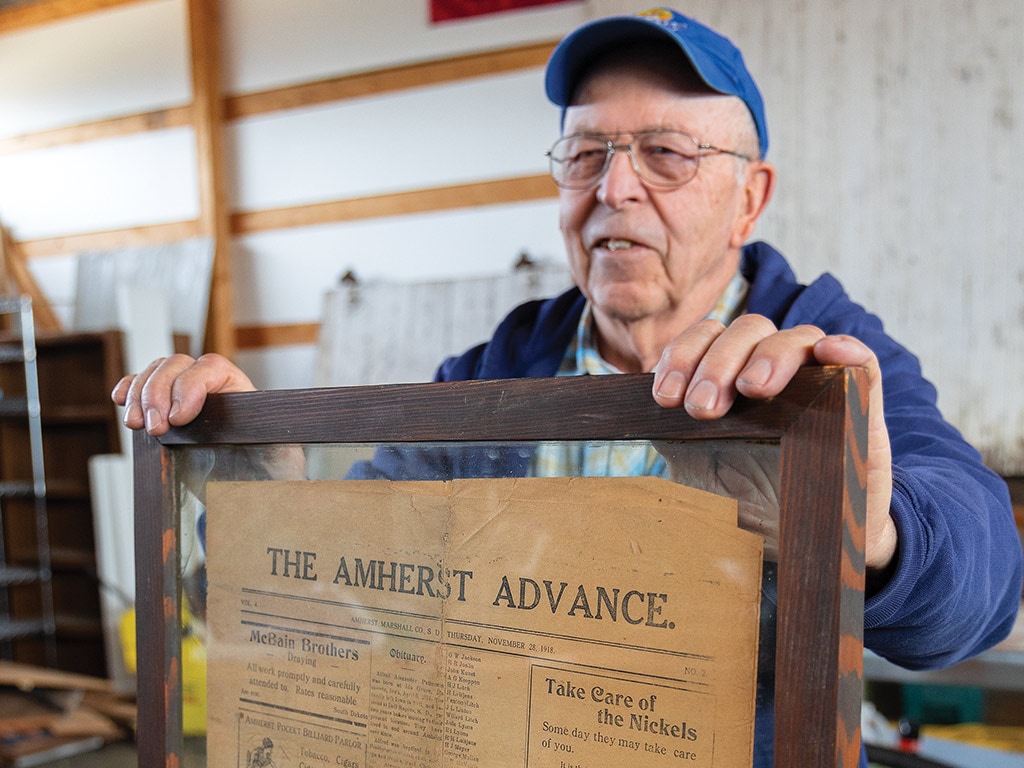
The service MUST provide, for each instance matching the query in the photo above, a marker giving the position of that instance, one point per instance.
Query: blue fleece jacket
(957, 584)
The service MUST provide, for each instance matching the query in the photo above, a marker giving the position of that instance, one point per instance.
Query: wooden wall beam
(133, 237)
(281, 335)
(390, 79)
(34, 14)
(208, 123)
(297, 96)
(172, 117)
(496, 192)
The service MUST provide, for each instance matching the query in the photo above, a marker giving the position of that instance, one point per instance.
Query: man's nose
(620, 182)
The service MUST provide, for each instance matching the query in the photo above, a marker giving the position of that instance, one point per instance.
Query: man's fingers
(132, 387)
(774, 361)
(149, 395)
(680, 359)
(845, 350)
(207, 375)
(881, 535)
(707, 366)
(171, 391)
(713, 389)
(119, 394)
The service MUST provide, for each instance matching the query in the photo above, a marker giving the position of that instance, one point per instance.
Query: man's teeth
(619, 245)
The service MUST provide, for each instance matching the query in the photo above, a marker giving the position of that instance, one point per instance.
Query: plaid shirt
(619, 459)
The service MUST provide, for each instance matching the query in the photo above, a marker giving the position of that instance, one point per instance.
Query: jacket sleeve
(957, 584)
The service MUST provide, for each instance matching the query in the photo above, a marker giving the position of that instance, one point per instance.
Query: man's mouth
(616, 244)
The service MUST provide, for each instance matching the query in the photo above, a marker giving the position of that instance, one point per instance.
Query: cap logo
(661, 16)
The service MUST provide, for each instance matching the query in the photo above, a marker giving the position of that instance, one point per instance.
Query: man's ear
(757, 191)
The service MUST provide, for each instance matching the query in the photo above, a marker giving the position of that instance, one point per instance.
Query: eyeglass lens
(665, 158)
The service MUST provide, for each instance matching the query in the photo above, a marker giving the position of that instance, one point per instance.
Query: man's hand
(708, 365)
(171, 391)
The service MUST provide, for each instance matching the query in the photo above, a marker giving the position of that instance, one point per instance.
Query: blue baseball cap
(714, 58)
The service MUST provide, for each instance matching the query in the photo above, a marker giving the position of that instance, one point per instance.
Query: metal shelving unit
(24, 573)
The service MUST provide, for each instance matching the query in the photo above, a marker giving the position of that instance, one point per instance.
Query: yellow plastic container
(193, 670)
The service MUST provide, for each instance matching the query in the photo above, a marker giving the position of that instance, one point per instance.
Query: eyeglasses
(660, 158)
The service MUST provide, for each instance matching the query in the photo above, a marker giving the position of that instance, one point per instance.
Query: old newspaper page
(546, 623)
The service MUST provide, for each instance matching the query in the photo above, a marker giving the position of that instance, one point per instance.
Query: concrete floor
(123, 755)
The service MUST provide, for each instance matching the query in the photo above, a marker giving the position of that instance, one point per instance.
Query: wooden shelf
(11, 352)
(61, 488)
(13, 406)
(79, 414)
(18, 574)
(75, 372)
(21, 628)
(73, 559)
(17, 489)
(78, 628)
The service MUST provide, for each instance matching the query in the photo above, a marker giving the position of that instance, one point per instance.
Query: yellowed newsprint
(545, 623)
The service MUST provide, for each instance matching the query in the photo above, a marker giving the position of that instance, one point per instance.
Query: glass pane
(408, 699)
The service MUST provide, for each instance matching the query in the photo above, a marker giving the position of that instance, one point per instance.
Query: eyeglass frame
(704, 149)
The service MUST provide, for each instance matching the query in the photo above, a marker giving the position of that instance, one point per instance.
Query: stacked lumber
(46, 714)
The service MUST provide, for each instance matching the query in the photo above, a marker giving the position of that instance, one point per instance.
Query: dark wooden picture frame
(819, 423)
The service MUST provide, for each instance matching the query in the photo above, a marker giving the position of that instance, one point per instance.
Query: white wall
(132, 58)
(896, 126)
(418, 138)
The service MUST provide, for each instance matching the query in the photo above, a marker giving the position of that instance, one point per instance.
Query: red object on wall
(446, 10)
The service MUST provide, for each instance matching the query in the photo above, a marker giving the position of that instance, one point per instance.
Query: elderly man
(663, 176)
